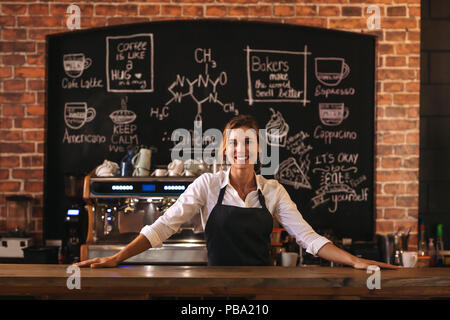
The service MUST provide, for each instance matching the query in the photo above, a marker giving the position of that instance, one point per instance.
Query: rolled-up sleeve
(291, 219)
(185, 208)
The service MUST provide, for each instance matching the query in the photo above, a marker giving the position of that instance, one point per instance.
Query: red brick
(16, 147)
(9, 161)
(390, 163)
(171, 10)
(393, 137)
(392, 86)
(347, 23)
(395, 61)
(305, 10)
(238, 11)
(413, 36)
(407, 48)
(329, 11)
(385, 125)
(128, 9)
(4, 174)
(31, 161)
(38, 9)
(399, 23)
(36, 110)
(352, 11)
(14, 85)
(238, 1)
(28, 174)
(312, 22)
(29, 123)
(283, 10)
(396, 175)
(396, 74)
(35, 135)
(151, 10)
(17, 46)
(9, 186)
(15, 60)
(384, 150)
(14, 34)
(385, 49)
(7, 21)
(394, 112)
(216, 11)
(92, 22)
(58, 9)
(38, 59)
(397, 36)
(41, 21)
(13, 111)
(406, 98)
(11, 135)
(412, 188)
(407, 201)
(414, 12)
(30, 72)
(124, 20)
(105, 10)
(260, 11)
(14, 9)
(13, 97)
(384, 201)
(398, 11)
(406, 149)
(413, 138)
(394, 188)
(394, 213)
(34, 186)
(6, 123)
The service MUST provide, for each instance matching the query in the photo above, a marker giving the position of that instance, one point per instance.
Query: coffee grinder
(75, 218)
(18, 226)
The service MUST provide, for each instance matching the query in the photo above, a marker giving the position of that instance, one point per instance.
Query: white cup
(409, 259)
(160, 173)
(176, 168)
(289, 259)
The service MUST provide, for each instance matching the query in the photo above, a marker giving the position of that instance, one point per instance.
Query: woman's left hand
(364, 264)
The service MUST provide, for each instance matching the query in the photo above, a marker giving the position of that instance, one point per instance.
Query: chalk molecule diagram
(202, 89)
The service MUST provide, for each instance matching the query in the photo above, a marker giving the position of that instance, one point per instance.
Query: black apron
(238, 236)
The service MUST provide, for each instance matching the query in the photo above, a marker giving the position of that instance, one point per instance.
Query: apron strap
(262, 200)
(221, 194)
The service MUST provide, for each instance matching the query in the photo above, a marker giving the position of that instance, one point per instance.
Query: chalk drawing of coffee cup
(332, 114)
(75, 64)
(76, 114)
(331, 71)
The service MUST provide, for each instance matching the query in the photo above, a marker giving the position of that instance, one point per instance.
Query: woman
(237, 207)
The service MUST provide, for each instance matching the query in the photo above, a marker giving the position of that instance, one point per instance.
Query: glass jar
(18, 215)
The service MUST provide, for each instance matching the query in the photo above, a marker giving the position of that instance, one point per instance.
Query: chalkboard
(108, 88)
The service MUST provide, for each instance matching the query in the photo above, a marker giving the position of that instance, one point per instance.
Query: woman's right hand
(106, 262)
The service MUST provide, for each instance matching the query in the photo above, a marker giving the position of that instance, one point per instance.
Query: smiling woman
(237, 208)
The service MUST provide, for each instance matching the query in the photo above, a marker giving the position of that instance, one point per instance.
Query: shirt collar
(226, 180)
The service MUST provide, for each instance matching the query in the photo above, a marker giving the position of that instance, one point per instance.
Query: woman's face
(241, 147)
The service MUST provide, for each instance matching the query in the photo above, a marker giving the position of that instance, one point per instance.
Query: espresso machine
(118, 208)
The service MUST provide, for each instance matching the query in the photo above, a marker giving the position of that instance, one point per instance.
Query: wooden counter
(147, 282)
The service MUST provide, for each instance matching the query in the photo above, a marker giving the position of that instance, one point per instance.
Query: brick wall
(24, 25)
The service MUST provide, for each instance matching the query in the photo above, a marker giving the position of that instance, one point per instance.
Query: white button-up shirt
(200, 197)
